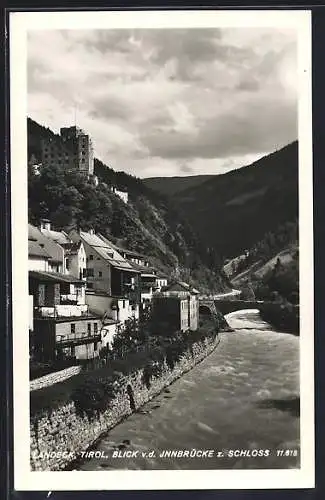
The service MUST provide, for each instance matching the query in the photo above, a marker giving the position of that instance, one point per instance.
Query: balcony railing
(77, 339)
(61, 310)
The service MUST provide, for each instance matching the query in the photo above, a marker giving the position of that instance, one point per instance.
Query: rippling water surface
(244, 396)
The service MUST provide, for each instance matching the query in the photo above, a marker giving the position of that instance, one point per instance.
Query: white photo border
(25, 479)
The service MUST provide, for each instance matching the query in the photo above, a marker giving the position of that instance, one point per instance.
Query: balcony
(61, 311)
(77, 339)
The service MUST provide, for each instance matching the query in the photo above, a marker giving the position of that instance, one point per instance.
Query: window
(95, 346)
(91, 257)
(100, 274)
(90, 273)
(67, 264)
(95, 328)
(123, 304)
(73, 328)
(73, 351)
(89, 329)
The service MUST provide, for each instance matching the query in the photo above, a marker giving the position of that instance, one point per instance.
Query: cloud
(168, 102)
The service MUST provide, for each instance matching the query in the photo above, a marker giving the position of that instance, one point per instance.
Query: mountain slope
(271, 266)
(231, 212)
(149, 223)
(173, 185)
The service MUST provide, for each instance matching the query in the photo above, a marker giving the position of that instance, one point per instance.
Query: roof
(54, 277)
(107, 251)
(58, 236)
(108, 322)
(71, 248)
(35, 250)
(54, 250)
(145, 270)
(94, 240)
(180, 286)
(132, 253)
(122, 249)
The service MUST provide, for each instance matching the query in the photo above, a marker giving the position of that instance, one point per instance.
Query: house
(112, 283)
(123, 194)
(75, 259)
(63, 325)
(56, 262)
(74, 252)
(147, 284)
(108, 332)
(176, 307)
(161, 281)
(148, 279)
(170, 314)
(132, 256)
(38, 258)
(113, 311)
(107, 271)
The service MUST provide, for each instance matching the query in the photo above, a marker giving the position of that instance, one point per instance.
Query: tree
(247, 292)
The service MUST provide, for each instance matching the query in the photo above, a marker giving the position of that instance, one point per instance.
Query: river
(243, 396)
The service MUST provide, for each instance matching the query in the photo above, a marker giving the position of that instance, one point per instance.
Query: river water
(242, 400)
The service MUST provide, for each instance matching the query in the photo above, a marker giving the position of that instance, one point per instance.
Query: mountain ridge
(232, 211)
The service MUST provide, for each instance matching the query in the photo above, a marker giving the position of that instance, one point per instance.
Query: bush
(282, 316)
(93, 395)
(153, 369)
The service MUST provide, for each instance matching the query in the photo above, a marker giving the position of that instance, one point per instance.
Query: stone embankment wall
(69, 433)
(54, 378)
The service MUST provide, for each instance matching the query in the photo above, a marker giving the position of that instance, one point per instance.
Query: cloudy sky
(164, 102)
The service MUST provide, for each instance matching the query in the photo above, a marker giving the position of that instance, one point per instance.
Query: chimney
(91, 231)
(45, 224)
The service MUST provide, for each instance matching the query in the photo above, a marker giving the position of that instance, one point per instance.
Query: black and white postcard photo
(162, 250)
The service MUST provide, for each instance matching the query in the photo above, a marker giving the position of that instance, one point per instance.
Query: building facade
(113, 311)
(123, 194)
(55, 251)
(75, 260)
(72, 150)
(176, 308)
(62, 323)
(107, 271)
(170, 314)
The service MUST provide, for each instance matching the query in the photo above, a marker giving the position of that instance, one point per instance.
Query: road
(244, 396)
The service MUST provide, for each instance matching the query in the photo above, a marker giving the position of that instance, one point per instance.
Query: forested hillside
(271, 266)
(170, 186)
(233, 211)
(149, 223)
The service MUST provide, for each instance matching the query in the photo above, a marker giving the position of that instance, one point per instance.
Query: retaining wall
(54, 378)
(67, 432)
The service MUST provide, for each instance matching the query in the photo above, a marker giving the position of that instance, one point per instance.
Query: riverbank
(283, 317)
(243, 396)
(61, 431)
